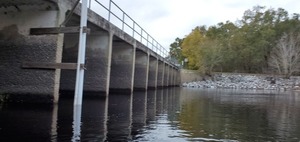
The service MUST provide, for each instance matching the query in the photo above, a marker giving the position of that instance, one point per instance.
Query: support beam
(57, 30)
(43, 65)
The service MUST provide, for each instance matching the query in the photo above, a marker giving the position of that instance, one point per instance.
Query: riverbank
(246, 81)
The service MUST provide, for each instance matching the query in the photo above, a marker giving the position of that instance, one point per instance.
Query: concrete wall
(122, 66)
(189, 76)
(171, 77)
(98, 54)
(178, 78)
(141, 70)
(152, 78)
(160, 74)
(17, 46)
(166, 75)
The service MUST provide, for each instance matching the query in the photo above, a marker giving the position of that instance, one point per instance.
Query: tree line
(262, 41)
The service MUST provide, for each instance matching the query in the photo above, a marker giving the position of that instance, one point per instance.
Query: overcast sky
(167, 19)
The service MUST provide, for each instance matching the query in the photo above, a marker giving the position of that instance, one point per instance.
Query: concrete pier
(160, 74)
(97, 66)
(166, 75)
(18, 46)
(152, 79)
(141, 70)
(122, 66)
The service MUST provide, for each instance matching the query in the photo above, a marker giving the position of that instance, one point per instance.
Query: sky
(165, 20)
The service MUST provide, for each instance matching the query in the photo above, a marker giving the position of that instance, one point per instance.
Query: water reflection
(91, 126)
(30, 122)
(139, 113)
(94, 119)
(151, 105)
(243, 116)
(119, 117)
(173, 114)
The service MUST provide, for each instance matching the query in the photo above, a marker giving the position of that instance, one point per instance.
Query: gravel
(239, 81)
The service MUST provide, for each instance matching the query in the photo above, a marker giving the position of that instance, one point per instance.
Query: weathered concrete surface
(190, 76)
(160, 74)
(178, 78)
(141, 70)
(166, 75)
(122, 66)
(171, 76)
(17, 46)
(97, 60)
(152, 79)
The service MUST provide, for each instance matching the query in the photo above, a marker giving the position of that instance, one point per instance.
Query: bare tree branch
(285, 56)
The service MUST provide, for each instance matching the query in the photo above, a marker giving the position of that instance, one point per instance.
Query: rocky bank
(246, 81)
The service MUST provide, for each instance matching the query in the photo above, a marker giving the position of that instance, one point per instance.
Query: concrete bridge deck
(33, 65)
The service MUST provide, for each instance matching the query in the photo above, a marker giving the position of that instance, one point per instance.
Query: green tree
(243, 46)
(176, 51)
(191, 47)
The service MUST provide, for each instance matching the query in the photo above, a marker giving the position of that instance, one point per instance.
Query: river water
(174, 114)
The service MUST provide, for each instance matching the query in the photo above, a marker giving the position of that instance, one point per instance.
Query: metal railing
(115, 15)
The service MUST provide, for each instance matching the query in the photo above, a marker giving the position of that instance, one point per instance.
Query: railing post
(133, 29)
(123, 21)
(147, 39)
(109, 10)
(141, 35)
(154, 46)
(90, 3)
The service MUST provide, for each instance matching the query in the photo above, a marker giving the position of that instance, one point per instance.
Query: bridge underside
(40, 67)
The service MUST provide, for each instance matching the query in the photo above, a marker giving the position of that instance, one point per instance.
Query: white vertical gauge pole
(80, 74)
(81, 55)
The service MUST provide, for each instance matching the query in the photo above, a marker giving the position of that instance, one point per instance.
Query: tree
(212, 56)
(243, 46)
(285, 56)
(176, 51)
(191, 47)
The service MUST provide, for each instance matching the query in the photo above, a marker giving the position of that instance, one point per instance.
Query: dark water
(173, 114)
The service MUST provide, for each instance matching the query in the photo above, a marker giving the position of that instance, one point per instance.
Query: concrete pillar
(152, 77)
(122, 66)
(166, 75)
(17, 46)
(178, 77)
(98, 54)
(170, 75)
(141, 70)
(174, 76)
(160, 74)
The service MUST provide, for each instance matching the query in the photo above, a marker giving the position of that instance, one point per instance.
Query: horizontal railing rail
(114, 14)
